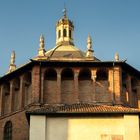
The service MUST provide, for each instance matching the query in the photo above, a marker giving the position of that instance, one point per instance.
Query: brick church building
(67, 94)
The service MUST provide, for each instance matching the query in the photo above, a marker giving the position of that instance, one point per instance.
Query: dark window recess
(67, 74)
(64, 33)
(85, 74)
(50, 74)
(59, 34)
(70, 33)
(102, 75)
(8, 131)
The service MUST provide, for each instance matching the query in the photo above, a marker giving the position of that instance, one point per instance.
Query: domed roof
(68, 51)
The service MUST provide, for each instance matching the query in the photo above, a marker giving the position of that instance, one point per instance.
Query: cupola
(64, 30)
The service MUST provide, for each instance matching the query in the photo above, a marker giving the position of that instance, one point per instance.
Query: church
(67, 94)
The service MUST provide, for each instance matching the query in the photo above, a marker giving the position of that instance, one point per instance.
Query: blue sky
(114, 25)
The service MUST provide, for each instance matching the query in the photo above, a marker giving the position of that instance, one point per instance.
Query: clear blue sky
(114, 25)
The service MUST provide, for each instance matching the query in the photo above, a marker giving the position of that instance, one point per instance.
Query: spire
(41, 50)
(89, 47)
(116, 56)
(12, 66)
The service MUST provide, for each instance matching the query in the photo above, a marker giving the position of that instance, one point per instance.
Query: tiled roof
(82, 108)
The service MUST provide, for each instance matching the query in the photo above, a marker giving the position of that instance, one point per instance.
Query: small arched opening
(59, 33)
(65, 33)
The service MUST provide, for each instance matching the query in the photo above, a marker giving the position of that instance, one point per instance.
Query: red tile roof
(82, 108)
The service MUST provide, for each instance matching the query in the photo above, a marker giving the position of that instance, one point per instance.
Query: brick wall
(50, 91)
(19, 124)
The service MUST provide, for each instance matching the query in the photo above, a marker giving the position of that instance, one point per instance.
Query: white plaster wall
(84, 128)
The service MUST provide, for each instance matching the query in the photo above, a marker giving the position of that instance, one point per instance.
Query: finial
(116, 56)
(42, 41)
(65, 12)
(41, 51)
(89, 42)
(12, 57)
(12, 66)
(89, 47)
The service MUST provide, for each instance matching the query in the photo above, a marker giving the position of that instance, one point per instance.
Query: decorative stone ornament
(41, 50)
(90, 51)
(12, 66)
(116, 56)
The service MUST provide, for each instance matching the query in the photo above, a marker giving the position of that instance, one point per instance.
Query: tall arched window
(59, 34)
(64, 32)
(8, 131)
(70, 34)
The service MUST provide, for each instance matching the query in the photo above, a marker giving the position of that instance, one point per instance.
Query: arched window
(8, 131)
(64, 32)
(59, 34)
(70, 33)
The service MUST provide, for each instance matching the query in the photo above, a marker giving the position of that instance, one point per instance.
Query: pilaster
(76, 85)
(36, 84)
(93, 77)
(129, 89)
(22, 92)
(42, 86)
(117, 84)
(1, 99)
(59, 86)
(11, 107)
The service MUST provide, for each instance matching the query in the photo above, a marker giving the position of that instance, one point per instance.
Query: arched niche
(67, 85)
(50, 86)
(16, 94)
(27, 88)
(102, 86)
(7, 131)
(6, 98)
(102, 75)
(134, 92)
(85, 85)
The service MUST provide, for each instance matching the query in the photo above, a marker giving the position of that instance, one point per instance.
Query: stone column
(93, 77)
(59, 86)
(76, 85)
